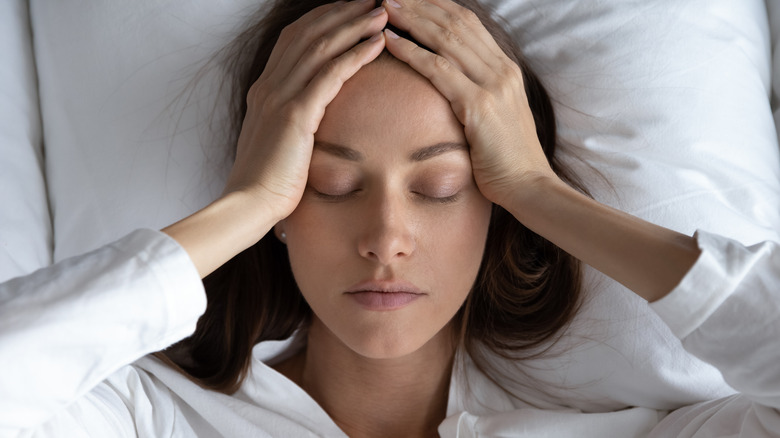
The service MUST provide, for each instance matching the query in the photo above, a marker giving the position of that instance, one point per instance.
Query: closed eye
(349, 195)
(335, 197)
(439, 200)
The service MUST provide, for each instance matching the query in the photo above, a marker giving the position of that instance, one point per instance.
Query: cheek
(460, 245)
(315, 244)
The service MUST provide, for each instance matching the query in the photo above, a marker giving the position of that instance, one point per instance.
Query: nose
(387, 234)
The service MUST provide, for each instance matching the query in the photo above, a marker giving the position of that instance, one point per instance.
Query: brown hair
(526, 291)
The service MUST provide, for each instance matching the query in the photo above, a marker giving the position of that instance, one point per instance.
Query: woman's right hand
(312, 59)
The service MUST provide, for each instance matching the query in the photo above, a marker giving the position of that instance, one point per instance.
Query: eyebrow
(338, 151)
(437, 149)
(422, 154)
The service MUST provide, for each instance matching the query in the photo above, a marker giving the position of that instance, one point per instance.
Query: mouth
(384, 295)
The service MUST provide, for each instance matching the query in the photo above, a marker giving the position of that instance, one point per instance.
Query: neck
(405, 396)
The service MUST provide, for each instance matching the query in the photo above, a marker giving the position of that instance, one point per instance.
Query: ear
(279, 232)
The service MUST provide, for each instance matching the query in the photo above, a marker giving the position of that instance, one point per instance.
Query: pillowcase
(25, 228)
(773, 10)
(125, 146)
(668, 100)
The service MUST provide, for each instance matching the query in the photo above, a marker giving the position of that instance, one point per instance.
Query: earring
(283, 236)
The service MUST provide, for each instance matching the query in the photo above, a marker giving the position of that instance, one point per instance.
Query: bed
(666, 108)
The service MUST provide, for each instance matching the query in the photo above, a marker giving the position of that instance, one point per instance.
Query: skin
(485, 90)
(385, 217)
(388, 217)
(312, 61)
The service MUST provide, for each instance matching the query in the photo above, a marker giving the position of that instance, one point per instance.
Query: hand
(312, 59)
(485, 89)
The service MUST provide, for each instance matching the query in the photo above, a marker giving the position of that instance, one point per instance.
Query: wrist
(533, 194)
(255, 209)
(251, 212)
(222, 229)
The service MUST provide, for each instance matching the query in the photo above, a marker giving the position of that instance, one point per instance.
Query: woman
(536, 278)
(361, 168)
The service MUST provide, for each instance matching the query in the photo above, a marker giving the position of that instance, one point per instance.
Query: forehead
(388, 102)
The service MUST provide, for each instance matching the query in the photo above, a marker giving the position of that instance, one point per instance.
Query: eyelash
(338, 198)
(445, 200)
(334, 198)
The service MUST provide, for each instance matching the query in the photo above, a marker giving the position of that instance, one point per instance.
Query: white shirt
(74, 339)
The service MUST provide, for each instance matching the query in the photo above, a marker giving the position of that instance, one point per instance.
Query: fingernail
(391, 34)
(393, 3)
(376, 37)
(377, 12)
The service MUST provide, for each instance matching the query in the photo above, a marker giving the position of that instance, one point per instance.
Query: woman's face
(386, 243)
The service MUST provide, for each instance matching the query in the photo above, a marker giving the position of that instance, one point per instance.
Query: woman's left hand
(484, 87)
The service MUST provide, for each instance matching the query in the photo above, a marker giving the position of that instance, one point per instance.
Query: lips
(392, 286)
(384, 295)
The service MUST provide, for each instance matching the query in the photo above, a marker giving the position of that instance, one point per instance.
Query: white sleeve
(67, 327)
(726, 311)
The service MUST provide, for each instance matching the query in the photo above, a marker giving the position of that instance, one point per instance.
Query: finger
(285, 39)
(302, 33)
(470, 17)
(334, 44)
(324, 87)
(457, 34)
(448, 14)
(452, 83)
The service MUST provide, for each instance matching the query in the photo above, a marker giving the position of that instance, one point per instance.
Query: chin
(384, 344)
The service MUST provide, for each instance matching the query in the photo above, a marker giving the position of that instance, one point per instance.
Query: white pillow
(25, 227)
(668, 99)
(125, 143)
(773, 10)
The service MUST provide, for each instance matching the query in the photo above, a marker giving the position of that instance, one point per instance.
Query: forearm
(646, 258)
(65, 328)
(218, 232)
